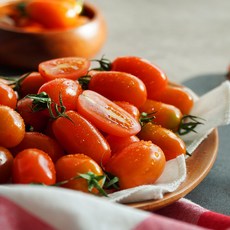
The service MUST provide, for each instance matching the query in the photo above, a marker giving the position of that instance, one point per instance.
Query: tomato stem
(105, 64)
(146, 117)
(84, 81)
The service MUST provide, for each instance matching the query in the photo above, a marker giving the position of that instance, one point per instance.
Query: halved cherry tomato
(139, 163)
(73, 165)
(177, 96)
(6, 163)
(59, 14)
(168, 116)
(12, 129)
(68, 67)
(131, 109)
(31, 84)
(106, 115)
(77, 135)
(118, 143)
(153, 77)
(39, 141)
(171, 144)
(33, 166)
(119, 86)
(8, 96)
(35, 121)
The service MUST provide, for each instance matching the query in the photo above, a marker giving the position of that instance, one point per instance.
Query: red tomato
(6, 163)
(67, 89)
(139, 163)
(59, 14)
(118, 143)
(8, 96)
(106, 115)
(36, 121)
(177, 96)
(42, 142)
(77, 135)
(68, 67)
(119, 86)
(171, 144)
(33, 166)
(71, 166)
(153, 77)
(168, 116)
(12, 129)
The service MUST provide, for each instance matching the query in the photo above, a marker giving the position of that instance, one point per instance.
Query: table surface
(190, 41)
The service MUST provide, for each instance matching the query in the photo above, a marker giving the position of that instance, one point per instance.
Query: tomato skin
(12, 128)
(71, 165)
(118, 143)
(61, 14)
(168, 116)
(68, 89)
(171, 144)
(177, 96)
(31, 84)
(79, 136)
(6, 163)
(139, 163)
(37, 120)
(39, 141)
(33, 166)
(119, 86)
(153, 77)
(106, 115)
(68, 67)
(8, 96)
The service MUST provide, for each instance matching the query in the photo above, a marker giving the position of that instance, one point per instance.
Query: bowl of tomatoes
(32, 31)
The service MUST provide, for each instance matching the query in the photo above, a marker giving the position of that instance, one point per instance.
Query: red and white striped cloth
(38, 208)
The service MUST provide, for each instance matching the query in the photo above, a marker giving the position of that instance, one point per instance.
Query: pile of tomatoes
(29, 15)
(90, 129)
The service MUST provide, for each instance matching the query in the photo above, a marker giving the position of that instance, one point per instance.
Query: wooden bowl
(25, 50)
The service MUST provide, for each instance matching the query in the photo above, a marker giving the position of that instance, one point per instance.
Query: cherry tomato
(153, 77)
(77, 135)
(8, 96)
(40, 141)
(118, 143)
(71, 166)
(31, 84)
(35, 121)
(119, 86)
(106, 115)
(33, 166)
(139, 163)
(131, 109)
(171, 144)
(6, 163)
(59, 14)
(168, 116)
(177, 96)
(12, 129)
(68, 67)
(62, 91)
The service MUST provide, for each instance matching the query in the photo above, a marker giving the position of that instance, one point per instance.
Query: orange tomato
(8, 96)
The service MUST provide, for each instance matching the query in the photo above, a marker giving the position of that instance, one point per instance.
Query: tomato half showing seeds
(106, 115)
(153, 77)
(68, 67)
(77, 135)
(33, 166)
(139, 163)
(168, 116)
(171, 144)
(12, 126)
(119, 86)
(6, 163)
(70, 166)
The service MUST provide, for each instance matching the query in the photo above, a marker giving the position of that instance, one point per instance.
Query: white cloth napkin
(214, 108)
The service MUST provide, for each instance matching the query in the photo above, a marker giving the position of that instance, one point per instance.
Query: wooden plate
(198, 166)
